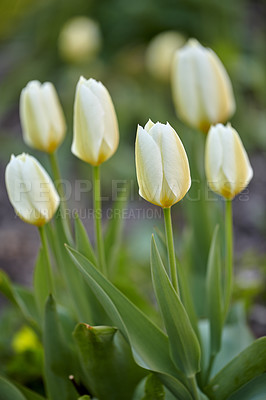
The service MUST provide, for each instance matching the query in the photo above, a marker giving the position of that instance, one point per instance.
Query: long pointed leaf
(113, 234)
(184, 345)
(83, 242)
(22, 297)
(249, 364)
(149, 344)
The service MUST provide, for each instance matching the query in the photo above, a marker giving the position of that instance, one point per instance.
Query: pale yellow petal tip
(192, 42)
(149, 125)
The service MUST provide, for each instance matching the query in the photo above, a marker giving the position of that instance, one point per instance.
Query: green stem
(209, 370)
(46, 253)
(170, 247)
(194, 387)
(229, 254)
(98, 218)
(58, 183)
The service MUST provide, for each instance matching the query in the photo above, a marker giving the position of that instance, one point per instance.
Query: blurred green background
(235, 30)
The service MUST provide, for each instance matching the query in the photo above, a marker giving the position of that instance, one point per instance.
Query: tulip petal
(88, 124)
(185, 87)
(149, 167)
(244, 171)
(214, 154)
(53, 112)
(224, 91)
(175, 164)
(111, 135)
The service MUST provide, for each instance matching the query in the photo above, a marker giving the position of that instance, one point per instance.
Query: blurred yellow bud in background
(162, 166)
(202, 90)
(41, 115)
(79, 40)
(25, 340)
(31, 190)
(227, 166)
(96, 134)
(160, 53)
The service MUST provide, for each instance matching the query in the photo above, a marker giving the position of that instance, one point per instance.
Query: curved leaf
(249, 364)
(255, 390)
(184, 344)
(9, 392)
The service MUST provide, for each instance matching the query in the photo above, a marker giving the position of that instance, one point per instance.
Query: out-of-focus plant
(160, 53)
(202, 90)
(97, 342)
(42, 118)
(79, 40)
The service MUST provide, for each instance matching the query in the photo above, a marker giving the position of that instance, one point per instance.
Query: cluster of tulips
(204, 99)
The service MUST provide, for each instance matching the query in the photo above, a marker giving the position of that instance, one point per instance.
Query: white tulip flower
(162, 166)
(96, 134)
(227, 166)
(31, 190)
(42, 119)
(202, 90)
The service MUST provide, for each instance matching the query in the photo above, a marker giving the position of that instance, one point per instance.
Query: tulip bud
(30, 190)
(162, 166)
(79, 40)
(227, 166)
(41, 115)
(96, 133)
(202, 89)
(160, 53)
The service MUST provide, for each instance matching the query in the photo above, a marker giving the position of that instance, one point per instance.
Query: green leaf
(77, 294)
(113, 235)
(6, 287)
(154, 389)
(23, 298)
(254, 390)
(149, 344)
(96, 311)
(41, 281)
(184, 344)
(214, 294)
(59, 363)
(185, 292)
(236, 337)
(246, 366)
(9, 392)
(29, 394)
(111, 372)
(83, 242)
